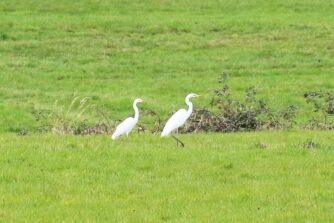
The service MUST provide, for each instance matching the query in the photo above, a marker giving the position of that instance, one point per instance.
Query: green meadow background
(113, 51)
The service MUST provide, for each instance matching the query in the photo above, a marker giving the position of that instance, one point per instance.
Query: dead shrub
(323, 107)
(235, 115)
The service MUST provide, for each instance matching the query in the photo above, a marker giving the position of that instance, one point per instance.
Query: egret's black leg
(178, 141)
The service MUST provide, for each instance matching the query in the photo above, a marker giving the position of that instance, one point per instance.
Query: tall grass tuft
(71, 120)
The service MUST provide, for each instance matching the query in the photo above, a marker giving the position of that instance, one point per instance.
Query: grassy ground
(114, 51)
(249, 177)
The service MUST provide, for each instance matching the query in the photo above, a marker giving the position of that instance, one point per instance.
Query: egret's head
(138, 100)
(192, 95)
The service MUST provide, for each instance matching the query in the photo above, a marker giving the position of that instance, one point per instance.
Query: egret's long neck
(190, 109)
(136, 111)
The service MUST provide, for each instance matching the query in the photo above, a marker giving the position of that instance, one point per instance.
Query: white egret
(178, 119)
(127, 125)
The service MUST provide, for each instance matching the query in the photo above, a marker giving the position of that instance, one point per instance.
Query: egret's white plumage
(127, 125)
(179, 118)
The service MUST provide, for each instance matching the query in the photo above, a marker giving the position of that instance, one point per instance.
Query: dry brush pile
(234, 115)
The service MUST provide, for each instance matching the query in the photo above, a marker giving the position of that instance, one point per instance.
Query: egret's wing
(177, 120)
(124, 127)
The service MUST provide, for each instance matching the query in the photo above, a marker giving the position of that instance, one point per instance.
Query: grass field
(249, 177)
(113, 51)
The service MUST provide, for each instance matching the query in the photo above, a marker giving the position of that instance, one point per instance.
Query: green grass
(160, 50)
(248, 177)
(114, 51)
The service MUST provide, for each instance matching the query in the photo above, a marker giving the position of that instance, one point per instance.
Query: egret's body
(176, 121)
(127, 125)
(179, 118)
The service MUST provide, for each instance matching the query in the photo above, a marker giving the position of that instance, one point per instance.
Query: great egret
(127, 125)
(178, 119)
